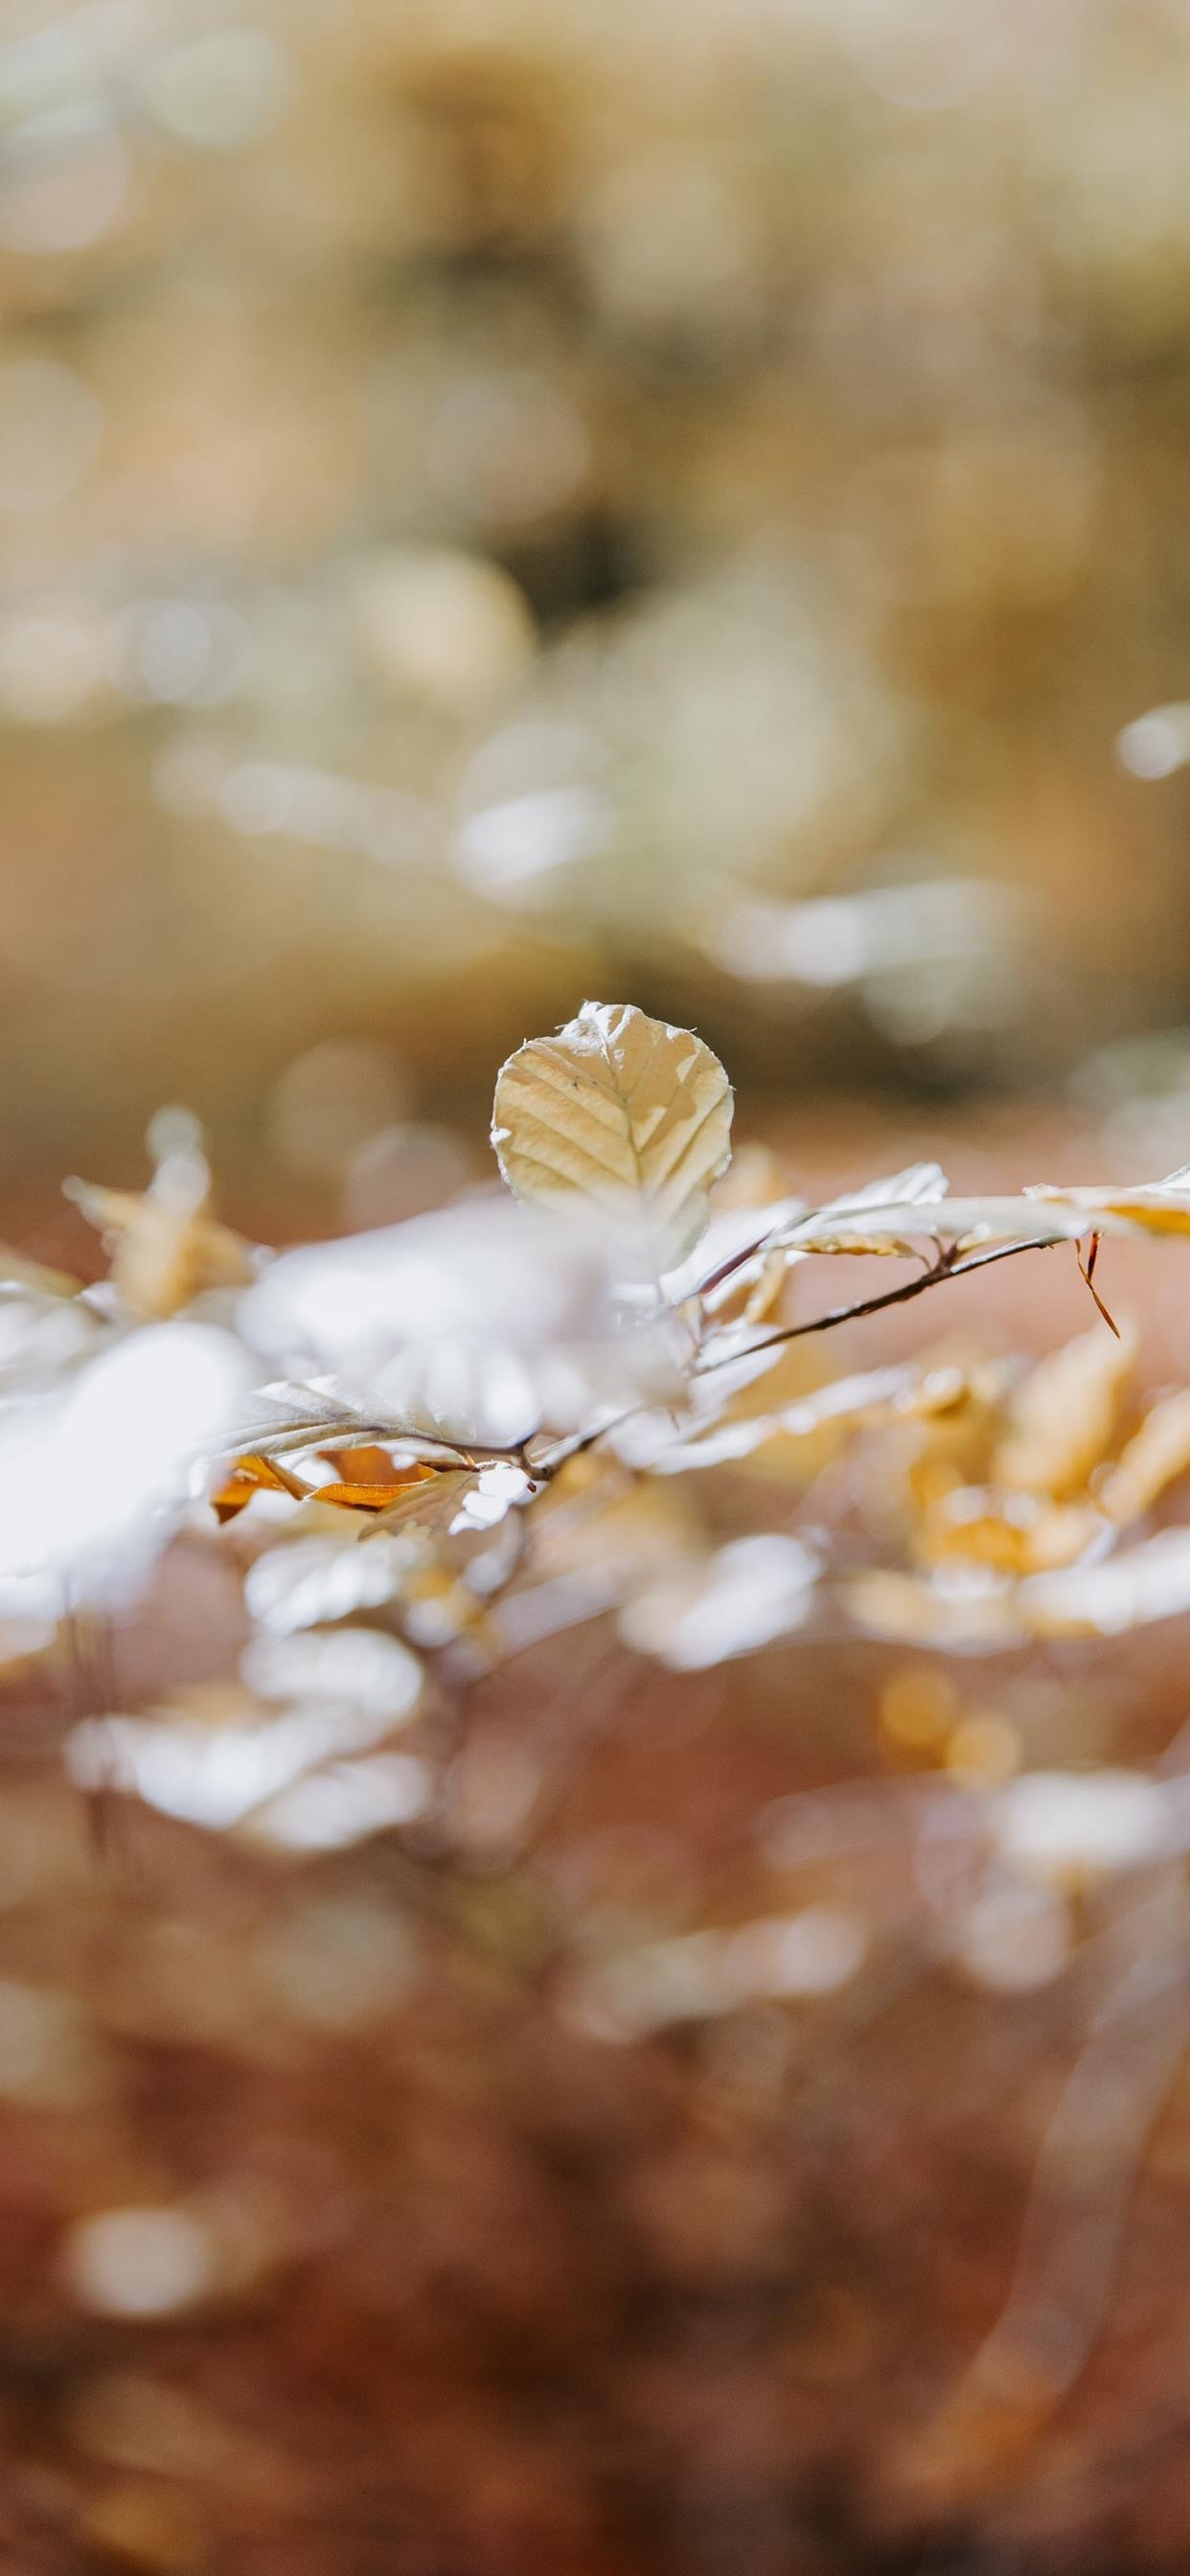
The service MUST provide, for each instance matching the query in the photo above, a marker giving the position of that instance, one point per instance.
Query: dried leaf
(618, 1113)
(963, 1223)
(375, 1492)
(249, 1476)
(919, 1185)
(1063, 1414)
(429, 1507)
(355, 1495)
(1152, 1207)
(165, 1247)
(292, 1418)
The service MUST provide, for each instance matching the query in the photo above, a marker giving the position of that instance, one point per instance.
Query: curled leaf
(376, 1490)
(618, 1113)
(249, 1476)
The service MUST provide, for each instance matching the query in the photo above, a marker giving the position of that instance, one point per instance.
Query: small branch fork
(947, 1266)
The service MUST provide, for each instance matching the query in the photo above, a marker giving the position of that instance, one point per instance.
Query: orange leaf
(364, 1494)
(251, 1476)
(367, 1465)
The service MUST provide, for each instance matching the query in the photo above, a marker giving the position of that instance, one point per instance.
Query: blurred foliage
(503, 499)
(631, 1962)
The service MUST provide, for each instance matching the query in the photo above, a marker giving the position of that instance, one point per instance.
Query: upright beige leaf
(619, 1113)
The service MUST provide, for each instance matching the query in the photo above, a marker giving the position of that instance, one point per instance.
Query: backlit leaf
(621, 1114)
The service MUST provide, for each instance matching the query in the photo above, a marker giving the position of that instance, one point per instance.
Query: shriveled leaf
(618, 1113)
(1063, 1415)
(1154, 1457)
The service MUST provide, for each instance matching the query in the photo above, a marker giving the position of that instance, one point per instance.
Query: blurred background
(500, 500)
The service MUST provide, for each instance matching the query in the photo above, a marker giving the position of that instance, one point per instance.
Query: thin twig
(946, 1267)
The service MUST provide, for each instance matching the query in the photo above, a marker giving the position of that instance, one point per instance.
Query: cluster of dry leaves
(484, 1426)
(478, 1499)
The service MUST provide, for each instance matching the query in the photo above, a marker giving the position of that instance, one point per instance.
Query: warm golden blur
(501, 499)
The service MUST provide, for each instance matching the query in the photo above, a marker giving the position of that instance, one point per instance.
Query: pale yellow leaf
(968, 1223)
(1155, 1207)
(618, 1114)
